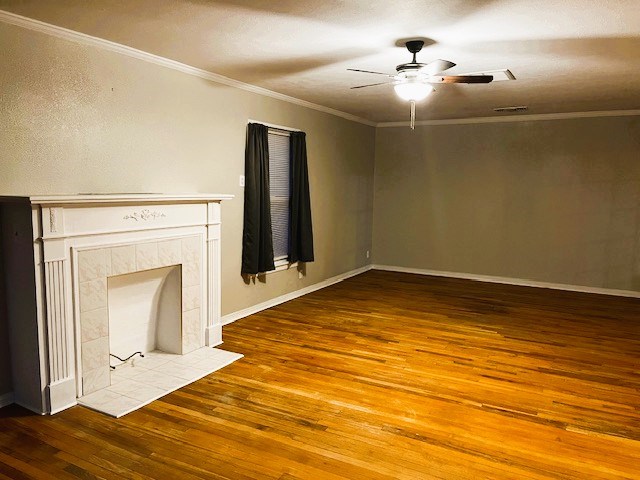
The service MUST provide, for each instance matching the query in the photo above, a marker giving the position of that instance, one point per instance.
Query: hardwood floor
(383, 376)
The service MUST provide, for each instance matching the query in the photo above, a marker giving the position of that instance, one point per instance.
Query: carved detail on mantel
(53, 220)
(144, 215)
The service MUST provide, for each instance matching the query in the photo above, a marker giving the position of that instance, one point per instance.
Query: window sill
(282, 265)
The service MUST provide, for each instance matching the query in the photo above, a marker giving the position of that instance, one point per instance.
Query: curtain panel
(257, 240)
(300, 229)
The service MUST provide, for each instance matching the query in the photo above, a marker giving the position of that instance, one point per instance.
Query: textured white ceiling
(567, 55)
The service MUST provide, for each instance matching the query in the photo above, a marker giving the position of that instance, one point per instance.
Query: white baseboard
(511, 281)
(232, 317)
(6, 399)
(63, 407)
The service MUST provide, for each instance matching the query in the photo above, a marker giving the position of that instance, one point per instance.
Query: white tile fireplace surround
(94, 275)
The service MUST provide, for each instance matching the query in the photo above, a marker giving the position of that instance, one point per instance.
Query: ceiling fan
(414, 79)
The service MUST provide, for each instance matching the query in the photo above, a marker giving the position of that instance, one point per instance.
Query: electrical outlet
(367, 253)
(300, 274)
(242, 180)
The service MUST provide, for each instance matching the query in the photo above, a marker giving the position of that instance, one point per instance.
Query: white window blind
(279, 186)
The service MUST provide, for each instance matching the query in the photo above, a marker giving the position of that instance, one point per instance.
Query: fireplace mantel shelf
(84, 198)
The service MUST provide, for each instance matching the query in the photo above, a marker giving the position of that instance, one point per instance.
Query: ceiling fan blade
(369, 71)
(460, 79)
(437, 66)
(498, 75)
(372, 85)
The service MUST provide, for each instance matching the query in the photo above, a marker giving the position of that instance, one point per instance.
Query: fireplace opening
(145, 312)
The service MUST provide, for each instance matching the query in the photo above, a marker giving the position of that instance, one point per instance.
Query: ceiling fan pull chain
(413, 115)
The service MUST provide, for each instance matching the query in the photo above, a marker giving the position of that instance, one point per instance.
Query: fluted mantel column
(60, 359)
(213, 332)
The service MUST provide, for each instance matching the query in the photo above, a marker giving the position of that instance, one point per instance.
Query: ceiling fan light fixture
(413, 91)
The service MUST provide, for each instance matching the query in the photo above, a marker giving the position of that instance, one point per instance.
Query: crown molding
(515, 118)
(84, 39)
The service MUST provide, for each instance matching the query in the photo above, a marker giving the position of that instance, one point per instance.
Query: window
(279, 193)
(280, 236)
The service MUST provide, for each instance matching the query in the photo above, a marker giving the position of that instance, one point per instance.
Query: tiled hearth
(143, 380)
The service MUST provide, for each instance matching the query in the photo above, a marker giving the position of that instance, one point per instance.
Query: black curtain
(300, 231)
(257, 242)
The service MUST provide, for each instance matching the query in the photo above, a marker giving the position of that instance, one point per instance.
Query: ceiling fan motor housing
(414, 46)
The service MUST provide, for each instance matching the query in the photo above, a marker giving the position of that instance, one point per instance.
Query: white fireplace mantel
(42, 237)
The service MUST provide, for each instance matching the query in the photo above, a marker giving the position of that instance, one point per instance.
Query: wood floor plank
(383, 376)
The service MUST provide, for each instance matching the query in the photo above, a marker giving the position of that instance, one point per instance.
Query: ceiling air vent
(522, 108)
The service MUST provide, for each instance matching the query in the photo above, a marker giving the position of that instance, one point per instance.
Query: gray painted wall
(553, 201)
